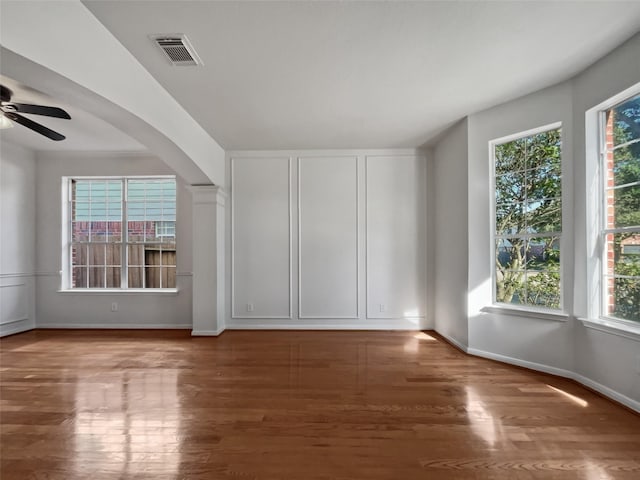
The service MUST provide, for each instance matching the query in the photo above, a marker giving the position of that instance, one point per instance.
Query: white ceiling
(84, 132)
(283, 75)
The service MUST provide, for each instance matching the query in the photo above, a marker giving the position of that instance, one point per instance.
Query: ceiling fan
(12, 111)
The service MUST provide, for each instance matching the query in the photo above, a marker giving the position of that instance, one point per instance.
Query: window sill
(613, 327)
(529, 313)
(119, 291)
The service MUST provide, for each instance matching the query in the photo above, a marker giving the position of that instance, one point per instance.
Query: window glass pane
(152, 277)
(544, 182)
(150, 232)
(625, 121)
(80, 211)
(510, 253)
(79, 255)
(544, 215)
(625, 301)
(510, 287)
(626, 164)
(97, 254)
(627, 206)
(510, 187)
(510, 156)
(79, 277)
(80, 231)
(96, 277)
(528, 203)
(135, 255)
(113, 254)
(543, 288)
(622, 254)
(543, 253)
(96, 210)
(113, 277)
(168, 275)
(114, 231)
(510, 218)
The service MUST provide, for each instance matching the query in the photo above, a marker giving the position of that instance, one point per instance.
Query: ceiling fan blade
(37, 110)
(36, 127)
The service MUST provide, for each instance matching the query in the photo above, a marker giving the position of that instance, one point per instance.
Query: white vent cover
(178, 49)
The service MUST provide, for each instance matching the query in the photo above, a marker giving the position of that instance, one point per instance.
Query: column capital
(208, 194)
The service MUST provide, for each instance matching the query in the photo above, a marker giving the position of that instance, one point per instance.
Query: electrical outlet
(114, 306)
(383, 308)
(638, 364)
(249, 307)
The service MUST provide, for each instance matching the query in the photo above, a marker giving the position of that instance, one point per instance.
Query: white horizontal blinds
(151, 233)
(528, 220)
(95, 233)
(621, 210)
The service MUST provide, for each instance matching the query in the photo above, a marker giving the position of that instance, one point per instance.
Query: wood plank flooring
(294, 405)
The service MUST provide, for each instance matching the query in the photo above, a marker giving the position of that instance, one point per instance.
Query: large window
(121, 232)
(620, 218)
(528, 219)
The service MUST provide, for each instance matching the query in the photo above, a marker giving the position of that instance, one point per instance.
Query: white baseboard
(329, 324)
(453, 341)
(587, 382)
(17, 326)
(116, 326)
(207, 333)
(540, 367)
(608, 392)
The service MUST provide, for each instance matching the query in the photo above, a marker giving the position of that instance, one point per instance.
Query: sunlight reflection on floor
(573, 398)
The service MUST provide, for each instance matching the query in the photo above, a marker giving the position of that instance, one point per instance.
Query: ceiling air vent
(177, 49)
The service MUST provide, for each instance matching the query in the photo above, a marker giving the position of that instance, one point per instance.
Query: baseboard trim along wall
(587, 382)
(207, 333)
(539, 367)
(326, 324)
(114, 326)
(16, 326)
(460, 346)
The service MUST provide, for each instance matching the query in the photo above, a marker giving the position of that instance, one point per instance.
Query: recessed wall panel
(396, 236)
(13, 303)
(261, 235)
(328, 237)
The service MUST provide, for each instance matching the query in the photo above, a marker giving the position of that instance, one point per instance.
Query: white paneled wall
(17, 239)
(328, 237)
(261, 231)
(396, 237)
(322, 239)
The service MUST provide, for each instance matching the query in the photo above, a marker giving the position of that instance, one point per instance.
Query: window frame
(544, 312)
(602, 230)
(67, 236)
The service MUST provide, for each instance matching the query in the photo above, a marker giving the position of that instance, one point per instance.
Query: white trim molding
(527, 313)
(289, 160)
(632, 332)
(207, 333)
(115, 326)
(325, 323)
(585, 381)
(355, 158)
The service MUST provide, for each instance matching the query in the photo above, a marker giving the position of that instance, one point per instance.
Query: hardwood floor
(294, 405)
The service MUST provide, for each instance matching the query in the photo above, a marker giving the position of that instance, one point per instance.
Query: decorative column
(208, 259)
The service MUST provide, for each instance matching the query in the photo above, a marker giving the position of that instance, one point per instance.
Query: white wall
(451, 234)
(17, 239)
(322, 239)
(606, 360)
(93, 310)
(545, 342)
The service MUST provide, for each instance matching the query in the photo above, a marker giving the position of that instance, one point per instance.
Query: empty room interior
(319, 240)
